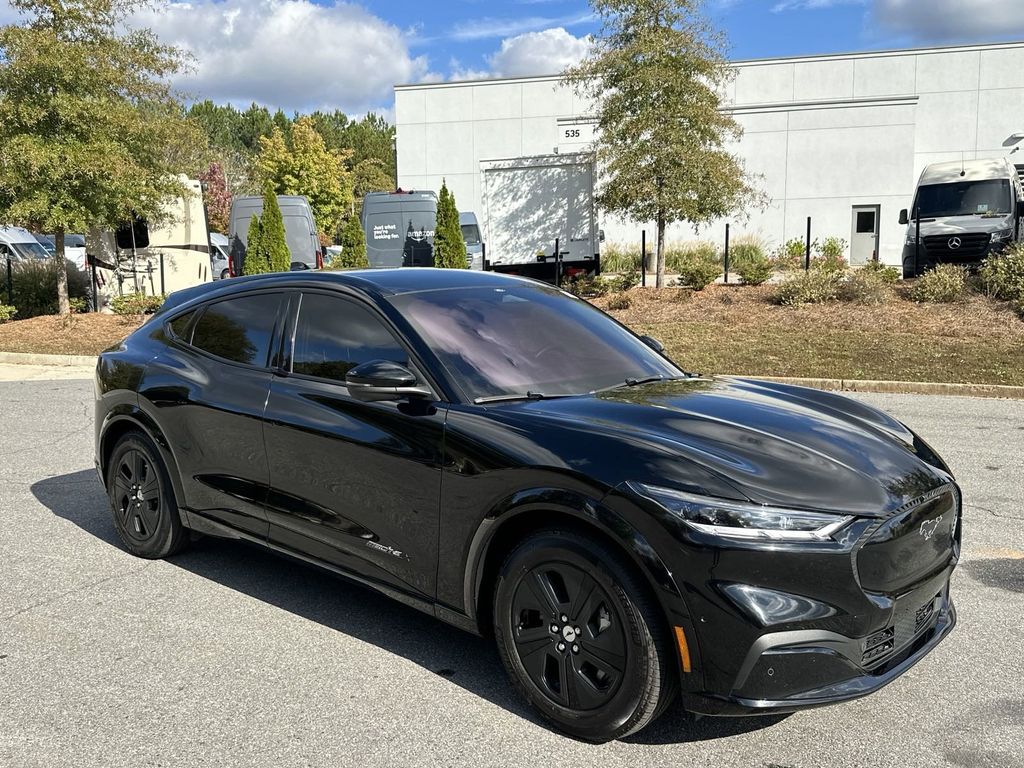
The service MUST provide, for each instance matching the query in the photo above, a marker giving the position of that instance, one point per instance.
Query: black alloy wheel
(581, 636)
(142, 500)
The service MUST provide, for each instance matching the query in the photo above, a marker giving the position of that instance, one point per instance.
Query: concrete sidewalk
(19, 372)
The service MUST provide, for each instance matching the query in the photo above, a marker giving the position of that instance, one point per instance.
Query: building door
(864, 240)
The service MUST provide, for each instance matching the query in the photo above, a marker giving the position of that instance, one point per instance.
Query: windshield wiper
(527, 396)
(634, 382)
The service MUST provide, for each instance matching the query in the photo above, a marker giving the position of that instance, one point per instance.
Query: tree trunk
(660, 280)
(63, 305)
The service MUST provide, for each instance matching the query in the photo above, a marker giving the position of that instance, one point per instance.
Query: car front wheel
(581, 636)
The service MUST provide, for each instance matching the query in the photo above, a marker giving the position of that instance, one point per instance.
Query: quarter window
(179, 326)
(335, 335)
(239, 329)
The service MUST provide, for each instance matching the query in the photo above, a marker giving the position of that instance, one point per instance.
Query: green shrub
(1002, 276)
(698, 267)
(678, 257)
(449, 246)
(34, 286)
(619, 257)
(813, 287)
(621, 282)
(830, 256)
(7, 313)
(586, 286)
(620, 301)
(755, 269)
(256, 262)
(353, 247)
(135, 304)
(944, 284)
(272, 234)
(79, 306)
(886, 273)
(790, 255)
(865, 286)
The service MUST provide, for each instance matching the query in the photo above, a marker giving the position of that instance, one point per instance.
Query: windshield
(964, 198)
(528, 338)
(31, 250)
(471, 234)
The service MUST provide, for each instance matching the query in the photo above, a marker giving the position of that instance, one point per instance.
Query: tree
(217, 196)
(256, 261)
(302, 165)
(272, 235)
(449, 247)
(90, 132)
(353, 246)
(656, 73)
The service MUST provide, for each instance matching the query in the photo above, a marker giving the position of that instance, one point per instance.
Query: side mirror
(381, 380)
(904, 217)
(134, 235)
(600, 235)
(653, 343)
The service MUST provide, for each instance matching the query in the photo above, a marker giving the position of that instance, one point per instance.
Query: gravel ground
(230, 656)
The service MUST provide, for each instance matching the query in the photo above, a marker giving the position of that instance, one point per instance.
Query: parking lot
(230, 656)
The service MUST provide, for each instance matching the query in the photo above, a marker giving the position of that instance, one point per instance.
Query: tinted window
(335, 335)
(179, 326)
(471, 234)
(865, 222)
(964, 198)
(238, 329)
(523, 338)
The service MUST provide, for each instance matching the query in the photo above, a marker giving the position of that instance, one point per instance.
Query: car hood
(772, 443)
(959, 225)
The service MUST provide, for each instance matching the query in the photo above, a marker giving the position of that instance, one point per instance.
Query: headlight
(738, 520)
(911, 237)
(1002, 236)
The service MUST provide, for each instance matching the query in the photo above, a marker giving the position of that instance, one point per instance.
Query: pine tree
(353, 246)
(255, 252)
(273, 240)
(449, 247)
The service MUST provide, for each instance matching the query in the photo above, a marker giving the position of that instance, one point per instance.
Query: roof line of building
(746, 62)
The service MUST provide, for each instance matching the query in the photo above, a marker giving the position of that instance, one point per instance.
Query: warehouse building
(839, 138)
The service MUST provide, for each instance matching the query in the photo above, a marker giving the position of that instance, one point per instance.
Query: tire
(556, 582)
(225, 274)
(142, 499)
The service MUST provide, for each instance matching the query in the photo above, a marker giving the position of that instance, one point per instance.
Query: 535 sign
(575, 136)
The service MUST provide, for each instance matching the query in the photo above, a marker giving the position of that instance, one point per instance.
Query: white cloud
(547, 52)
(812, 5)
(951, 20)
(483, 28)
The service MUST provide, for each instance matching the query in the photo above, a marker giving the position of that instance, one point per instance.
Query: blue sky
(347, 54)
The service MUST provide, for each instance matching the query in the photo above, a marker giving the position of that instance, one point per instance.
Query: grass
(728, 329)
(733, 329)
(87, 334)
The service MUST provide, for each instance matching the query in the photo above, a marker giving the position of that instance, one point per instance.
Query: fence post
(643, 257)
(10, 282)
(95, 285)
(917, 242)
(807, 252)
(726, 254)
(558, 266)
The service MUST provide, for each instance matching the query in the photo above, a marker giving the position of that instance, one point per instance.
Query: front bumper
(788, 671)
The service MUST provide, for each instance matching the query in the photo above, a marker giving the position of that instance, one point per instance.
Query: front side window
(334, 335)
(528, 338)
(471, 234)
(239, 330)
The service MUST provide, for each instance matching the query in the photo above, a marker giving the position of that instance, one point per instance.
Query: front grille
(878, 646)
(973, 246)
(922, 615)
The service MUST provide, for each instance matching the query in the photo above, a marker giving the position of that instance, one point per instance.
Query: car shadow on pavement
(468, 661)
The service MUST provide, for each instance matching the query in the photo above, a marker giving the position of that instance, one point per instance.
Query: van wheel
(225, 274)
(581, 636)
(142, 499)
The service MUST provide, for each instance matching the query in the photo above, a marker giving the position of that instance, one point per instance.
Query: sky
(300, 55)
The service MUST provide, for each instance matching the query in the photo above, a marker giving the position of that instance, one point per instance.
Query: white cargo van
(20, 245)
(157, 259)
(962, 213)
(476, 250)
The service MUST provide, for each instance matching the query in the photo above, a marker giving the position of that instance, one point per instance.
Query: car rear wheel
(142, 499)
(581, 637)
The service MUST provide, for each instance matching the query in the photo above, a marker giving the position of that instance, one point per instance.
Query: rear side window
(239, 329)
(180, 326)
(334, 335)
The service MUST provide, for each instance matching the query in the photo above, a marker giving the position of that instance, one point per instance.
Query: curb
(31, 358)
(901, 387)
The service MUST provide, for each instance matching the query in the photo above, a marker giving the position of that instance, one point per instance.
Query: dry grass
(731, 329)
(86, 334)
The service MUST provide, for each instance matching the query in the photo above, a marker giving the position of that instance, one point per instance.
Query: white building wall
(824, 133)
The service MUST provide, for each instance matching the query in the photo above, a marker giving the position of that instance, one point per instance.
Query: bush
(622, 282)
(79, 306)
(135, 304)
(678, 257)
(620, 301)
(449, 246)
(353, 247)
(618, 258)
(256, 262)
(1002, 277)
(865, 287)
(272, 235)
(755, 269)
(7, 313)
(586, 286)
(944, 284)
(790, 255)
(813, 287)
(34, 285)
(830, 256)
(697, 267)
(887, 274)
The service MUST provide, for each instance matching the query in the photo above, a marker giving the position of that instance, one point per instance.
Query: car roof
(16, 235)
(379, 282)
(969, 170)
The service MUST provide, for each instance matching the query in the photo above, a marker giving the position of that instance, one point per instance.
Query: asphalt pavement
(226, 655)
